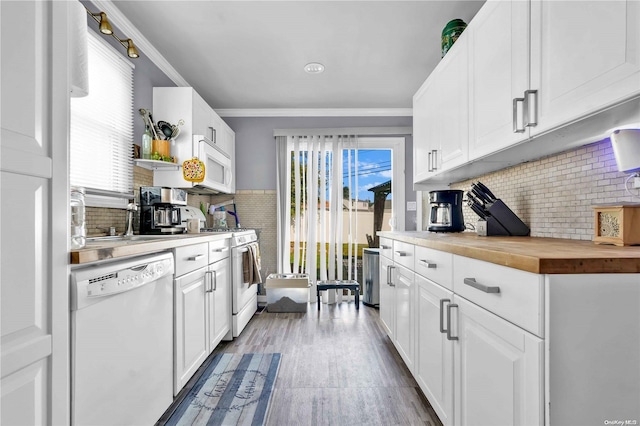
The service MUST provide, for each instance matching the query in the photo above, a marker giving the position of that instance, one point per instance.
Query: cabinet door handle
(531, 108)
(428, 264)
(401, 253)
(442, 302)
(517, 128)
(434, 157)
(208, 282)
(429, 169)
(389, 283)
(196, 257)
(215, 280)
(213, 134)
(487, 289)
(449, 307)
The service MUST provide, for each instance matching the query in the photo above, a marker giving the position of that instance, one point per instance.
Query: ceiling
(251, 54)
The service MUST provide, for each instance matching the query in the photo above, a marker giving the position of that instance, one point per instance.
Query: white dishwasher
(122, 341)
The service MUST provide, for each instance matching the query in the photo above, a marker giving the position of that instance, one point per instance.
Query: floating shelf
(157, 164)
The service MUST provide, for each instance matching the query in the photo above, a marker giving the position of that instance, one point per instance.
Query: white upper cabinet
(584, 57)
(498, 74)
(440, 121)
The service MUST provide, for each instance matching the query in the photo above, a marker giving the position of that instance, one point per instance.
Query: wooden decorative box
(617, 224)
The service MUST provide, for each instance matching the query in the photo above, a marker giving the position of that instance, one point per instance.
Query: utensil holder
(502, 222)
(161, 146)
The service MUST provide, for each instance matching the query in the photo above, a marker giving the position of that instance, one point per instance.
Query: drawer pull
(487, 289)
(449, 336)
(383, 247)
(401, 253)
(196, 257)
(220, 250)
(442, 302)
(428, 264)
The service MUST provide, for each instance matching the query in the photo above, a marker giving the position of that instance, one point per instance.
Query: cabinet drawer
(514, 295)
(403, 254)
(218, 250)
(386, 248)
(435, 265)
(190, 258)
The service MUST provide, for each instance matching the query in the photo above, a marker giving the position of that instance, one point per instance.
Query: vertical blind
(317, 225)
(102, 125)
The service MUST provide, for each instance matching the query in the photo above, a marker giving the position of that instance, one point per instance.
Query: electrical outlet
(636, 182)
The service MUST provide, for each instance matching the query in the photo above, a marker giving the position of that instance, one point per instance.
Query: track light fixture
(105, 28)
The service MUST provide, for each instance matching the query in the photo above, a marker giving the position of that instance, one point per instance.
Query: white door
(425, 130)
(498, 369)
(498, 74)
(585, 56)
(434, 358)
(219, 300)
(405, 316)
(190, 322)
(387, 296)
(453, 107)
(34, 169)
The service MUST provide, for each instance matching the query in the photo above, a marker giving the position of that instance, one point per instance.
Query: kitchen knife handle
(516, 116)
(442, 302)
(487, 289)
(531, 108)
(428, 264)
(449, 307)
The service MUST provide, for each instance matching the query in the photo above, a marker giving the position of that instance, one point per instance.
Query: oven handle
(243, 250)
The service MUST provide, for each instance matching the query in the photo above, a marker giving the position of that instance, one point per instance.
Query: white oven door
(243, 293)
(218, 172)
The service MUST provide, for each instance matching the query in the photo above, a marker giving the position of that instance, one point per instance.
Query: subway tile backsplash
(554, 195)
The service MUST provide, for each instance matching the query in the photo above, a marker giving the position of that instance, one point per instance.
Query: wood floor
(338, 368)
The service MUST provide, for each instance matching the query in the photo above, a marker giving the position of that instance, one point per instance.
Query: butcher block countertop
(531, 254)
(105, 250)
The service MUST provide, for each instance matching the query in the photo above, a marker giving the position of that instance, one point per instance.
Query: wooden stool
(337, 284)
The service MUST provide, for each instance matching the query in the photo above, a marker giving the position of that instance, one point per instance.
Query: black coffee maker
(160, 210)
(446, 211)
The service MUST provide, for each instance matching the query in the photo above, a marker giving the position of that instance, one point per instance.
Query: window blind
(101, 133)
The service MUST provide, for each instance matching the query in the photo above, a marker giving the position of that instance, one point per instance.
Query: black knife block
(502, 222)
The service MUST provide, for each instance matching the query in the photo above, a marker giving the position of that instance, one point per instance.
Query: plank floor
(338, 368)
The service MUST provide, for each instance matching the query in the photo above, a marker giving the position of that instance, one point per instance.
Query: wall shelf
(156, 164)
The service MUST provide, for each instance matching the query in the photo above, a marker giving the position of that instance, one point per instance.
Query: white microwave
(218, 170)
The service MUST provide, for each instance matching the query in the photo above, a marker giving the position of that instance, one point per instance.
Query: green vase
(450, 34)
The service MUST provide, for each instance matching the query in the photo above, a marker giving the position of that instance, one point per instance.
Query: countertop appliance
(122, 341)
(160, 210)
(244, 296)
(446, 211)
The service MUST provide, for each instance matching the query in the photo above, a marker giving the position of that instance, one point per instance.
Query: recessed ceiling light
(314, 68)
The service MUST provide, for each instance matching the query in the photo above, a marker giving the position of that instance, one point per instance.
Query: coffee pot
(446, 211)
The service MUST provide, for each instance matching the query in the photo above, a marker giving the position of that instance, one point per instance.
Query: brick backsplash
(554, 195)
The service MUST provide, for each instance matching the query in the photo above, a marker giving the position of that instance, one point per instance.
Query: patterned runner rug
(235, 389)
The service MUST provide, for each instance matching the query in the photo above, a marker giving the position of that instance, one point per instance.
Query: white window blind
(101, 158)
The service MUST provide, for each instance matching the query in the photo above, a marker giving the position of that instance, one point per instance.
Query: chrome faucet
(131, 208)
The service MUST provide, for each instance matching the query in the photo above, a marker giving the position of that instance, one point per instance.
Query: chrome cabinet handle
(429, 169)
(401, 253)
(389, 283)
(442, 302)
(449, 336)
(487, 289)
(428, 264)
(516, 116)
(215, 280)
(220, 250)
(434, 157)
(531, 108)
(383, 247)
(196, 257)
(213, 134)
(208, 288)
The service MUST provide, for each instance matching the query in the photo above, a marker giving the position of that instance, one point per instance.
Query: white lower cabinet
(498, 369)
(202, 304)
(404, 339)
(434, 352)
(387, 305)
